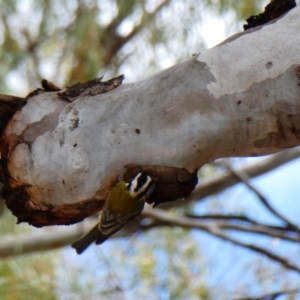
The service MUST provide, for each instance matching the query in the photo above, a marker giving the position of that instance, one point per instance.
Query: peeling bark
(63, 152)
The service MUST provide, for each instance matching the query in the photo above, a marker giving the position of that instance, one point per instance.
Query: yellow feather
(121, 202)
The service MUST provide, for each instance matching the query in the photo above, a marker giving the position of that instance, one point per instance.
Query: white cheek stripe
(134, 183)
(142, 189)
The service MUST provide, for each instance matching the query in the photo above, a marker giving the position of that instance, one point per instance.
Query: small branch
(259, 229)
(255, 227)
(226, 226)
(220, 217)
(214, 229)
(8, 106)
(244, 178)
(42, 241)
(270, 231)
(239, 218)
(284, 262)
(271, 296)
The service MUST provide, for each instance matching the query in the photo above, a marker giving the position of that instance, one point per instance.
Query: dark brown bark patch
(8, 106)
(273, 10)
(18, 201)
(90, 88)
(170, 183)
(49, 86)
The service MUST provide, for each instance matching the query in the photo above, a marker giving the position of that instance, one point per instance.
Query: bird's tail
(101, 238)
(86, 240)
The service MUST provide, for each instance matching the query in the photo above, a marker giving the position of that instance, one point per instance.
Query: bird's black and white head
(141, 185)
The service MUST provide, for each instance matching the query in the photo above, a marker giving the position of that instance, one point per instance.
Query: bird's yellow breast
(120, 201)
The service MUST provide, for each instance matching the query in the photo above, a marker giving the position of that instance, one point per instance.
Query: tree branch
(42, 240)
(272, 296)
(214, 230)
(238, 218)
(280, 233)
(244, 178)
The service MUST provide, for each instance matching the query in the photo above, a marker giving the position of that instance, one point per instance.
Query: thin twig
(241, 218)
(259, 229)
(271, 296)
(213, 229)
(252, 228)
(284, 262)
(244, 178)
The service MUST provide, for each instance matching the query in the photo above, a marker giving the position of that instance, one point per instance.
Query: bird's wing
(110, 223)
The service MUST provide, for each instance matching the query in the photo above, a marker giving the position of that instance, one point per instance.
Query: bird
(124, 202)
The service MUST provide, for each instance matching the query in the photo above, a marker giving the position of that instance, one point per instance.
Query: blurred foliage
(67, 41)
(8, 224)
(25, 277)
(30, 277)
(152, 266)
(242, 9)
